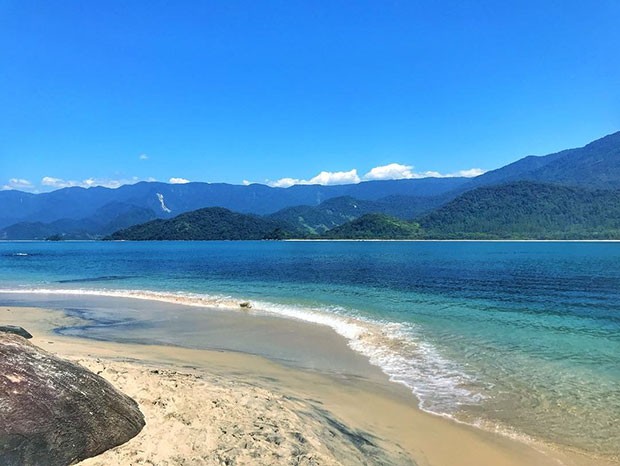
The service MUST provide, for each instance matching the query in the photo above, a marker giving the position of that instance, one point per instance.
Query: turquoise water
(522, 338)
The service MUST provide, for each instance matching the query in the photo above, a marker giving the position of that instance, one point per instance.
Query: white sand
(203, 419)
(226, 408)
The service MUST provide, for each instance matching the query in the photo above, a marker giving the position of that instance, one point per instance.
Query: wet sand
(231, 407)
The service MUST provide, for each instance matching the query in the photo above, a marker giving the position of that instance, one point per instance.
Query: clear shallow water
(518, 337)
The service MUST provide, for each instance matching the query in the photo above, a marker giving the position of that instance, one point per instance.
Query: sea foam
(398, 349)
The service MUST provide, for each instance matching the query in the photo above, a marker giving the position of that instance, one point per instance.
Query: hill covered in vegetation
(522, 210)
(593, 166)
(211, 223)
(526, 210)
(106, 220)
(317, 220)
(313, 210)
(375, 226)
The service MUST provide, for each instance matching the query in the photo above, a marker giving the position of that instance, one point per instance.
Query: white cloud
(285, 182)
(143, 157)
(471, 173)
(19, 184)
(58, 183)
(431, 174)
(396, 171)
(178, 181)
(324, 178)
(392, 171)
(328, 178)
(49, 183)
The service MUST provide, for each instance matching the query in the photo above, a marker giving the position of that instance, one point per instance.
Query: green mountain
(522, 210)
(594, 166)
(569, 194)
(306, 209)
(526, 210)
(211, 223)
(105, 220)
(334, 212)
(329, 214)
(375, 226)
(65, 229)
(168, 200)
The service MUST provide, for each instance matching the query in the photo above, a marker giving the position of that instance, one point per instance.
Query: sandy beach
(207, 407)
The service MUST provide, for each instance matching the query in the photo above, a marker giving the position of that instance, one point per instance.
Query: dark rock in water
(54, 412)
(22, 332)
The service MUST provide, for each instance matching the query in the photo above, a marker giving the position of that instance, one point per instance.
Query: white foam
(185, 299)
(400, 351)
(397, 348)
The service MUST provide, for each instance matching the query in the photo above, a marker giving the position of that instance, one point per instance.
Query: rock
(22, 332)
(246, 305)
(54, 412)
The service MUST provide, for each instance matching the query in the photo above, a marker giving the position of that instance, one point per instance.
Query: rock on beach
(54, 412)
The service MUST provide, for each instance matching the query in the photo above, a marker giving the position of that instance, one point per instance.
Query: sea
(520, 338)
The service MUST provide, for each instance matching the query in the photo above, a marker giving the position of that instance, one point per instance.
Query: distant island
(572, 194)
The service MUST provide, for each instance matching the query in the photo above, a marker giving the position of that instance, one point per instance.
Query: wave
(398, 349)
(182, 298)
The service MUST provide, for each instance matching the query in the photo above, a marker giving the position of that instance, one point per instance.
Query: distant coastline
(326, 240)
(464, 240)
(569, 195)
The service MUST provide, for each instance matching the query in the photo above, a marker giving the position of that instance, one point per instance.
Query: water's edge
(361, 335)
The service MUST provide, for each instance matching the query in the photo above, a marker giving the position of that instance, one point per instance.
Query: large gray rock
(54, 412)
(22, 332)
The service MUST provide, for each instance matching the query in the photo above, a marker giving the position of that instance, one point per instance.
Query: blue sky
(114, 92)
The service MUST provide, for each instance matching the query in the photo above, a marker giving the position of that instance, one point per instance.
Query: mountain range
(94, 212)
(589, 173)
(594, 166)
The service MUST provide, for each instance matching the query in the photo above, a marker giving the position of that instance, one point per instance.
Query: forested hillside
(529, 211)
(211, 223)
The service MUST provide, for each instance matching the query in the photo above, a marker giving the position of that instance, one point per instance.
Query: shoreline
(458, 240)
(389, 411)
(324, 240)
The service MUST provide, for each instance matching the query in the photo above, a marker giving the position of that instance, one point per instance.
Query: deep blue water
(519, 337)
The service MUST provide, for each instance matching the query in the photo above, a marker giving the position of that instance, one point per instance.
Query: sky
(284, 92)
